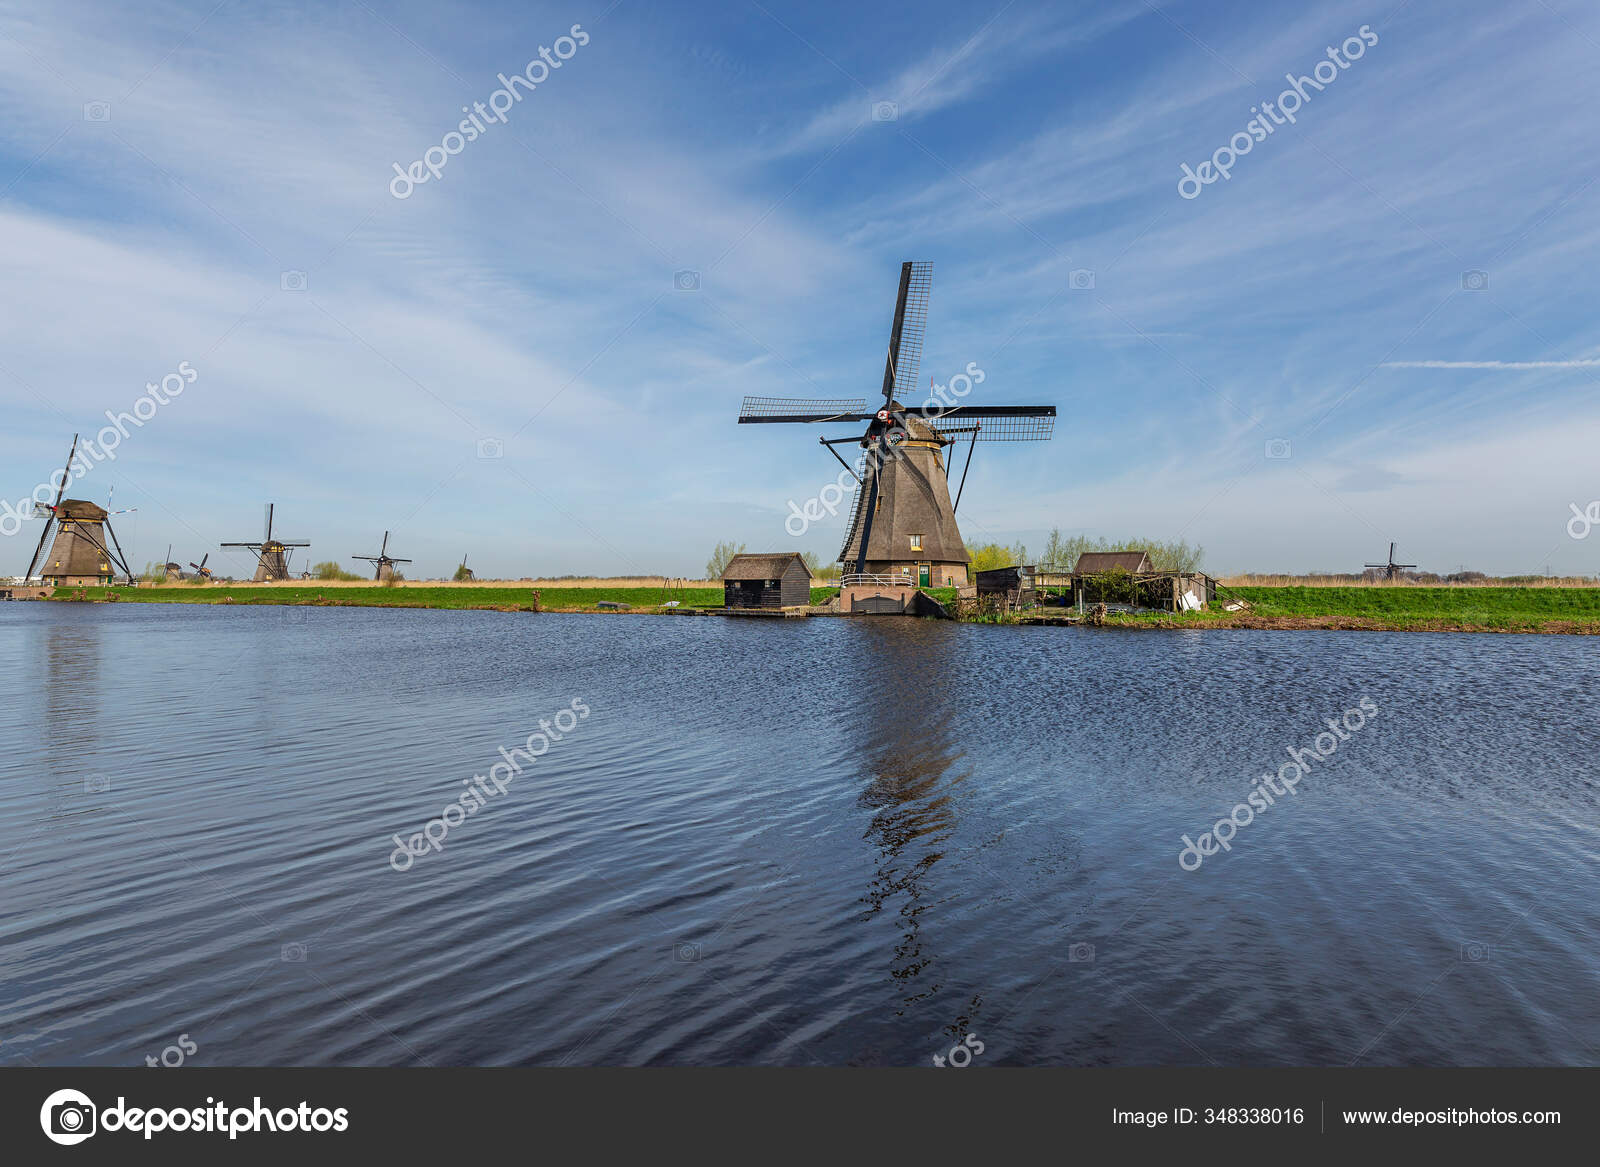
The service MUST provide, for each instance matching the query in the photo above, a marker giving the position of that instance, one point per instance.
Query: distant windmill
(464, 572)
(1391, 570)
(272, 555)
(201, 571)
(384, 562)
(169, 569)
(80, 554)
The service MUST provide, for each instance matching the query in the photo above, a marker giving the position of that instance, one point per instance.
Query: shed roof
(1093, 562)
(771, 565)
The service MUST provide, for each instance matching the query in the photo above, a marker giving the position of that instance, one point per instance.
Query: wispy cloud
(1580, 364)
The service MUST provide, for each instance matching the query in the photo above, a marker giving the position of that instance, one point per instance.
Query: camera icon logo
(1475, 952)
(1475, 281)
(885, 111)
(685, 953)
(1081, 280)
(68, 1117)
(490, 449)
(96, 784)
(1080, 953)
(292, 281)
(97, 111)
(1277, 448)
(294, 953)
(686, 281)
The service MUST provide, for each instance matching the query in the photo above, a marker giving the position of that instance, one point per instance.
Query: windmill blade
(399, 561)
(268, 537)
(903, 370)
(121, 560)
(793, 409)
(384, 550)
(66, 473)
(997, 423)
(368, 558)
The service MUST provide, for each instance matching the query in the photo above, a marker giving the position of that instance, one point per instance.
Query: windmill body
(272, 555)
(903, 522)
(914, 524)
(79, 555)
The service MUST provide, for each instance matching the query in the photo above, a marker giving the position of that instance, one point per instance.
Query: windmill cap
(77, 508)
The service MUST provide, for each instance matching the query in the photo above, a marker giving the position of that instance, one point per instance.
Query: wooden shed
(1013, 585)
(774, 580)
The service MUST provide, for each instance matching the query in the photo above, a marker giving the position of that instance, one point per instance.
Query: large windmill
(272, 555)
(79, 554)
(382, 559)
(903, 522)
(1391, 570)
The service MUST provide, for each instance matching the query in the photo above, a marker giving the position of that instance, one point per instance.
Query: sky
(1375, 328)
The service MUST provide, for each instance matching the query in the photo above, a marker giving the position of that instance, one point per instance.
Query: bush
(1165, 555)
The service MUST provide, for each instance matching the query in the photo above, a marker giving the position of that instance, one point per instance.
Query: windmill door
(922, 574)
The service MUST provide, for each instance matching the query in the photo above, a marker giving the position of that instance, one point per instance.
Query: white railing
(893, 581)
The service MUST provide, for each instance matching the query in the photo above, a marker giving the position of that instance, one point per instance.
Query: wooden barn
(774, 580)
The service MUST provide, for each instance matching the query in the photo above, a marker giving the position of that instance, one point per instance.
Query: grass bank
(1410, 607)
(484, 596)
(1406, 608)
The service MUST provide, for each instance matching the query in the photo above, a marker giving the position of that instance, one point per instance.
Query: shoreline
(1568, 612)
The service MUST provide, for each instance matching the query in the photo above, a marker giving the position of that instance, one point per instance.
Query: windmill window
(916, 542)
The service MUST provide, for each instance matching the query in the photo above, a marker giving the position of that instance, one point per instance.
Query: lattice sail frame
(913, 327)
(757, 407)
(993, 429)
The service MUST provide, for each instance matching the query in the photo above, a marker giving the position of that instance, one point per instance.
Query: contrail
(1583, 364)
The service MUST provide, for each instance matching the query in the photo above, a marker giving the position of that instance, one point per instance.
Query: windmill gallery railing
(863, 579)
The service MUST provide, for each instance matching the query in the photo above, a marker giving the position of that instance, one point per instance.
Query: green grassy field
(499, 599)
(1488, 607)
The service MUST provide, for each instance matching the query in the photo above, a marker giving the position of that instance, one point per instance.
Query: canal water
(281, 835)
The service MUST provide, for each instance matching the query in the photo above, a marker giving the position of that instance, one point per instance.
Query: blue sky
(527, 294)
